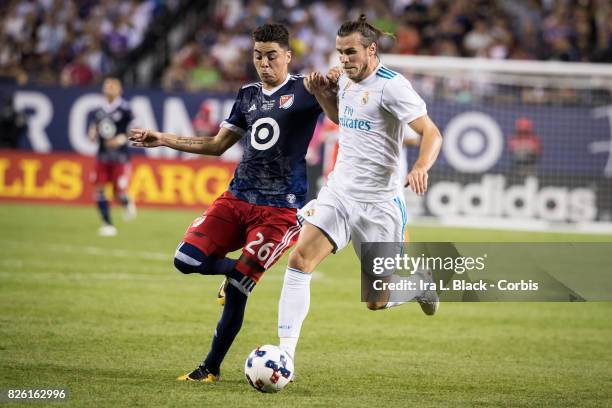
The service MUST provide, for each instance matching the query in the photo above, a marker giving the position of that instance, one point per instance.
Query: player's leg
(270, 232)
(325, 230)
(203, 248)
(313, 246)
(386, 222)
(210, 237)
(378, 223)
(226, 330)
(102, 176)
(121, 179)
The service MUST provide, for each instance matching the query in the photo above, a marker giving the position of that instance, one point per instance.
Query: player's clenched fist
(145, 138)
(333, 75)
(316, 83)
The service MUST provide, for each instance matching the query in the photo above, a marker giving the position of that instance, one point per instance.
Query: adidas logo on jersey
(252, 108)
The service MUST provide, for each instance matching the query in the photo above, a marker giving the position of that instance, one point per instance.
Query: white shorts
(342, 219)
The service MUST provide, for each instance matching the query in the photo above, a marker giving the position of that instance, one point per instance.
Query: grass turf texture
(117, 328)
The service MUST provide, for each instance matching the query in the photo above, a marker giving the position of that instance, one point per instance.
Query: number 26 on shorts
(264, 250)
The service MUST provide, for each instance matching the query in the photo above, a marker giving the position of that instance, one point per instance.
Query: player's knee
(189, 259)
(182, 266)
(376, 305)
(299, 259)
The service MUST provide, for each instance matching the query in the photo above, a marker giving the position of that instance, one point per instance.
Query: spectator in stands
(478, 40)
(44, 36)
(77, 73)
(408, 39)
(205, 75)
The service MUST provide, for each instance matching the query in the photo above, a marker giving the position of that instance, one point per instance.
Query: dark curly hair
(272, 33)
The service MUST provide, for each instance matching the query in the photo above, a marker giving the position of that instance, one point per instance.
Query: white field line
(22, 269)
(94, 250)
(28, 275)
(76, 266)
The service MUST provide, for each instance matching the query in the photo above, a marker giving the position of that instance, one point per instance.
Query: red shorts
(264, 233)
(116, 173)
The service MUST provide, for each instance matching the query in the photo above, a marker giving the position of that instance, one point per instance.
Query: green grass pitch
(111, 319)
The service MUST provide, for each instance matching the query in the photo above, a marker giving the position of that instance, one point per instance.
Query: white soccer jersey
(373, 115)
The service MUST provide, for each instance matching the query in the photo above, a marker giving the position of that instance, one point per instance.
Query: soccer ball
(268, 369)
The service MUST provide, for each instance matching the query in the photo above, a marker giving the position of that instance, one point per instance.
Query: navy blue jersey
(276, 129)
(111, 121)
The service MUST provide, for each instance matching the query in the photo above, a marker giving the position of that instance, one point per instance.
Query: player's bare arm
(324, 89)
(117, 141)
(92, 132)
(212, 146)
(431, 141)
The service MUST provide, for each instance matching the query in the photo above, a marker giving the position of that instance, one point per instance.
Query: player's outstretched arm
(431, 141)
(117, 141)
(212, 146)
(324, 89)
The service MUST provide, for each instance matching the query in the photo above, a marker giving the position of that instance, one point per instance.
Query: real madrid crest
(364, 98)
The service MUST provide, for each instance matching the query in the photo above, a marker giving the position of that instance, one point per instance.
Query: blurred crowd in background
(70, 42)
(539, 30)
(78, 42)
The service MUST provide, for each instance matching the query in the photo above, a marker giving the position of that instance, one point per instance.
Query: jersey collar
(269, 92)
(109, 107)
(369, 79)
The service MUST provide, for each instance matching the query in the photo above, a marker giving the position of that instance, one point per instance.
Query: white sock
(293, 308)
(288, 344)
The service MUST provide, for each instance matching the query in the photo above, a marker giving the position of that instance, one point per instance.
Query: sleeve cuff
(415, 116)
(233, 128)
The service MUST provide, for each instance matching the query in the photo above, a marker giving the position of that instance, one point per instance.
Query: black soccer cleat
(429, 302)
(201, 374)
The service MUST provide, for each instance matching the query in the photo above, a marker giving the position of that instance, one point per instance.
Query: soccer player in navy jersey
(274, 120)
(109, 128)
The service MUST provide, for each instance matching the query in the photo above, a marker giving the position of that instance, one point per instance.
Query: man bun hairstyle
(369, 33)
(277, 33)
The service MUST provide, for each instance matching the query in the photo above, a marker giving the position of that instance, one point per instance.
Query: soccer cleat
(201, 374)
(107, 230)
(221, 293)
(429, 302)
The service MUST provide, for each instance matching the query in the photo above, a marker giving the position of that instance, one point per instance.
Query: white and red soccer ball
(268, 369)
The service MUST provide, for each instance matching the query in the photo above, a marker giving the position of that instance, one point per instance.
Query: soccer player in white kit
(363, 199)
